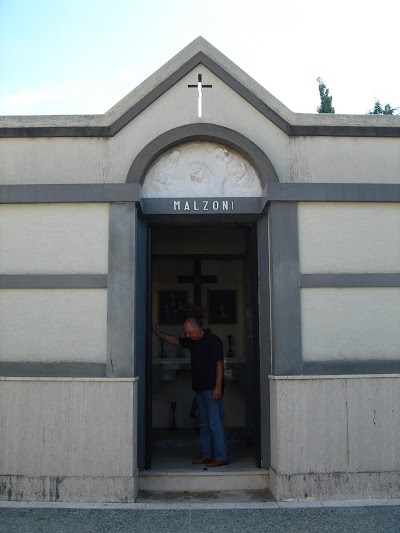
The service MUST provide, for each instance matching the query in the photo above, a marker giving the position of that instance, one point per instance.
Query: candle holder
(180, 352)
(230, 353)
(162, 354)
(173, 426)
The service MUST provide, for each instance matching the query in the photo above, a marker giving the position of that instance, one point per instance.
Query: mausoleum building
(199, 190)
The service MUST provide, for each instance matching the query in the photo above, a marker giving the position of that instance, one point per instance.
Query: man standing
(207, 382)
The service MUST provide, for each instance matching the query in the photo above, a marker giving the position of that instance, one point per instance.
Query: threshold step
(203, 480)
(212, 497)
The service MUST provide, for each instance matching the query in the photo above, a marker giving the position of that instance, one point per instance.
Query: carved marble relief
(201, 169)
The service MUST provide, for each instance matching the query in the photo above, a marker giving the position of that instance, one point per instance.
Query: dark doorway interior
(213, 269)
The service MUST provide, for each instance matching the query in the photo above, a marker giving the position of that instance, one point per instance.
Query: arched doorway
(190, 170)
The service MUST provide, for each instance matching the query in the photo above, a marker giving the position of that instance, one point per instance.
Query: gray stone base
(78, 489)
(335, 486)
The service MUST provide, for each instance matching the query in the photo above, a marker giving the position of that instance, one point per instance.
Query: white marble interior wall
(164, 273)
(229, 272)
(180, 391)
(230, 278)
(201, 241)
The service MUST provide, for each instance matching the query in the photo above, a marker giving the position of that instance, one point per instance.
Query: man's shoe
(201, 460)
(217, 462)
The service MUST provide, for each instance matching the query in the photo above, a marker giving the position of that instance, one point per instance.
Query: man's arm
(172, 339)
(217, 393)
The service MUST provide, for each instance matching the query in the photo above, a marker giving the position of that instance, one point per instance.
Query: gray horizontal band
(344, 131)
(200, 58)
(70, 193)
(53, 370)
(351, 367)
(130, 192)
(53, 281)
(333, 192)
(349, 280)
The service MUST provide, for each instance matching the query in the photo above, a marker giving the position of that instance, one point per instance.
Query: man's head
(193, 329)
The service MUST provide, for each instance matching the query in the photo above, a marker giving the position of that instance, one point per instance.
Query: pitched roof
(198, 52)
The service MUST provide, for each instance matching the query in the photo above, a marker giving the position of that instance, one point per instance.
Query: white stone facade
(331, 435)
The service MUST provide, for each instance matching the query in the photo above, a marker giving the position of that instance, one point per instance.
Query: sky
(61, 57)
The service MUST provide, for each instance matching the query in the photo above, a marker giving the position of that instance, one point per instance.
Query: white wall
(350, 323)
(107, 160)
(67, 439)
(343, 159)
(355, 238)
(54, 239)
(335, 437)
(52, 160)
(53, 325)
(349, 237)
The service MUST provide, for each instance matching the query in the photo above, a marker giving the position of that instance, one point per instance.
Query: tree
(326, 100)
(386, 110)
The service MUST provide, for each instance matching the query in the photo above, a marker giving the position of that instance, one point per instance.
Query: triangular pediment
(201, 53)
(198, 52)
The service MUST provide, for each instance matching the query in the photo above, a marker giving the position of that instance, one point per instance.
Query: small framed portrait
(222, 307)
(171, 306)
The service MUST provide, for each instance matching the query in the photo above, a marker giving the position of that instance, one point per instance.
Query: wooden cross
(200, 86)
(197, 279)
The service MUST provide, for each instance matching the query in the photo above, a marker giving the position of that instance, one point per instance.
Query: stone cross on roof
(200, 86)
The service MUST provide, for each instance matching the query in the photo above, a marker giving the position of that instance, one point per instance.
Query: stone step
(160, 480)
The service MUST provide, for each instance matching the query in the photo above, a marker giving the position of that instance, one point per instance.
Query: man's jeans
(211, 419)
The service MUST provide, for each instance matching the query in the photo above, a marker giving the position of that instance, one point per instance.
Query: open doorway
(214, 269)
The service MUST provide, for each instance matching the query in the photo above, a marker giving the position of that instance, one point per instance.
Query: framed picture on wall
(171, 306)
(222, 307)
